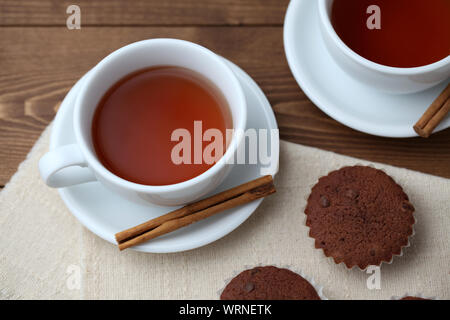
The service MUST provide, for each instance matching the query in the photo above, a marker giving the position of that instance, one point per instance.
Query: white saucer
(336, 93)
(105, 213)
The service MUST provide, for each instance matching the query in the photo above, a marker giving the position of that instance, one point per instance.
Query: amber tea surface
(134, 121)
(412, 33)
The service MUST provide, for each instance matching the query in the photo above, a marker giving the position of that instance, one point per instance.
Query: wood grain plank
(144, 12)
(39, 65)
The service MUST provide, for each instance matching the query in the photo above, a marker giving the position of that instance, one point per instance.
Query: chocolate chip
(249, 287)
(372, 252)
(324, 202)
(351, 194)
(254, 271)
(407, 206)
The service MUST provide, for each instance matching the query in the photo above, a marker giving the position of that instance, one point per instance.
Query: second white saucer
(336, 93)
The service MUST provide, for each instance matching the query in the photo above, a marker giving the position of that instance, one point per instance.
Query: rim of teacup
(90, 156)
(326, 21)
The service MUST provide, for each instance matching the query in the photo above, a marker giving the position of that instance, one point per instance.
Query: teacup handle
(65, 166)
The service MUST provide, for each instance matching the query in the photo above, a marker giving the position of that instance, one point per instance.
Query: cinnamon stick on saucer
(434, 114)
(196, 211)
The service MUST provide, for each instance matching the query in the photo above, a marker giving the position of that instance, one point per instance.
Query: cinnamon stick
(194, 212)
(434, 114)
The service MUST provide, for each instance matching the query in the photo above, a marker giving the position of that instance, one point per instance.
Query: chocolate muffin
(413, 298)
(269, 283)
(359, 216)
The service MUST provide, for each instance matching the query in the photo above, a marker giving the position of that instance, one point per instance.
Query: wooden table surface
(40, 59)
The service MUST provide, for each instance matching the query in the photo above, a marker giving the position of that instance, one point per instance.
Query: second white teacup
(385, 78)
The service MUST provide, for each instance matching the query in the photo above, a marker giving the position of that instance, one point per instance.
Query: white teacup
(388, 79)
(55, 166)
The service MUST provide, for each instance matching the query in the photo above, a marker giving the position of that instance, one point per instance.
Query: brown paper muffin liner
(330, 257)
(318, 288)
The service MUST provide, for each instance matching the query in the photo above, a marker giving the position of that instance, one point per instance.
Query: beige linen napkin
(45, 253)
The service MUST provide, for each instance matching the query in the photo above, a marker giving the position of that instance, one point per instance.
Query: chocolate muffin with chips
(359, 216)
(269, 283)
